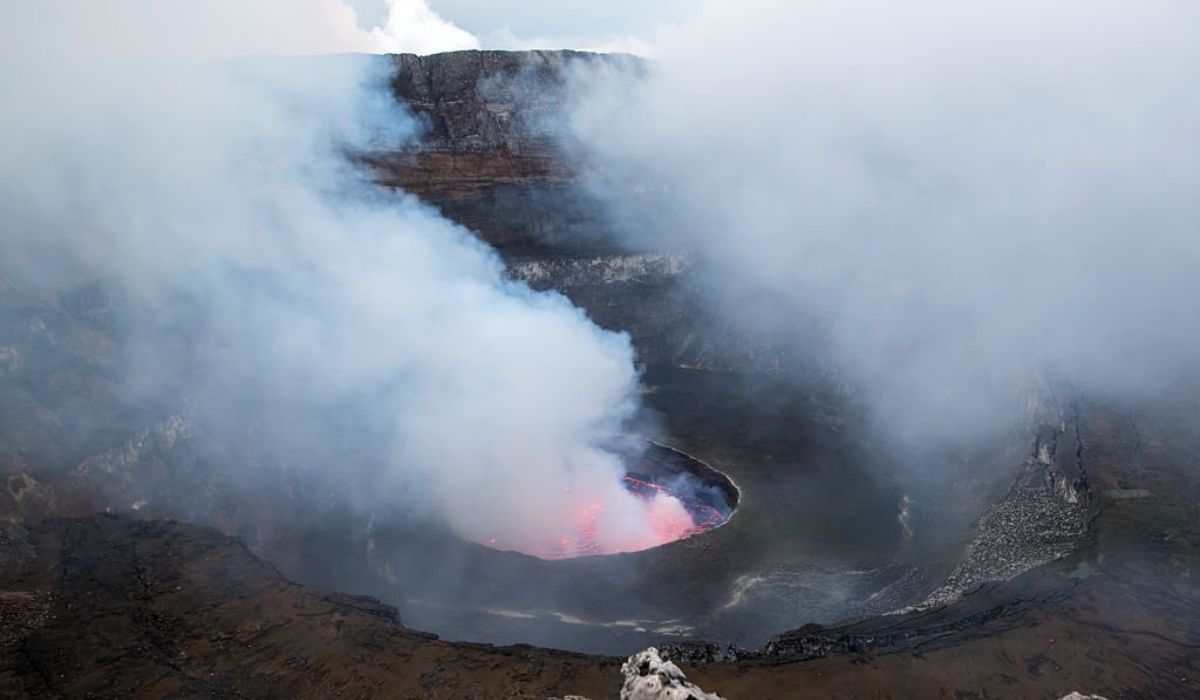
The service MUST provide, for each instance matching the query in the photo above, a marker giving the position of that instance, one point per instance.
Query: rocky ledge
(490, 155)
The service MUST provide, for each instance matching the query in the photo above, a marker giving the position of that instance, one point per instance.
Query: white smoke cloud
(412, 27)
(217, 196)
(956, 195)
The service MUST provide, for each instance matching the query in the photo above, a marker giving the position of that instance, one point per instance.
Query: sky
(255, 27)
(614, 25)
(566, 23)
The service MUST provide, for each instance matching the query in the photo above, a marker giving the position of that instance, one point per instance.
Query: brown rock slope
(114, 607)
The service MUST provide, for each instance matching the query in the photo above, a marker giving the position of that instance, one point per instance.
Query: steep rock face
(488, 102)
(1034, 523)
(489, 156)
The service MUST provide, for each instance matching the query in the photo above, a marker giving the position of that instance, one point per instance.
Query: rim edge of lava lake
(683, 497)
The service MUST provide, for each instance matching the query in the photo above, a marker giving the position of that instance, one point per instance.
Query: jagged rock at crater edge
(649, 677)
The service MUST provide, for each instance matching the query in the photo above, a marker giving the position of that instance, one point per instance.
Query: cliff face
(490, 155)
(488, 102)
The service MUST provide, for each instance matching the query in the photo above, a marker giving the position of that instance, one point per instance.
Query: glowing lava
(703, 517)
(669, 515)
(639, 495)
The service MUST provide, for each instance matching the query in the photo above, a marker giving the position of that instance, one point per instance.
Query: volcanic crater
(1034, 532)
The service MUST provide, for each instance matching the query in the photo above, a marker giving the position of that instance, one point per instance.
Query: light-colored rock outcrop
(649, 677)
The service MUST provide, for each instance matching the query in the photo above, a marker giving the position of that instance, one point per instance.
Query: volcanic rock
(649, 677)
(490, 156)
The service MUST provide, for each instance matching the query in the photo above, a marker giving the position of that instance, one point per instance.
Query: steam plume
(940, 198)
(217, 198)
(414, 28)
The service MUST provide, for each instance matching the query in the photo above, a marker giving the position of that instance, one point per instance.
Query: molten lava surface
(672, 514)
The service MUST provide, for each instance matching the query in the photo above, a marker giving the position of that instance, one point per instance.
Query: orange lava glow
(671, 516)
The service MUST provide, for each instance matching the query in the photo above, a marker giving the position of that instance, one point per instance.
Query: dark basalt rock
(488, 102)
(490, 154)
